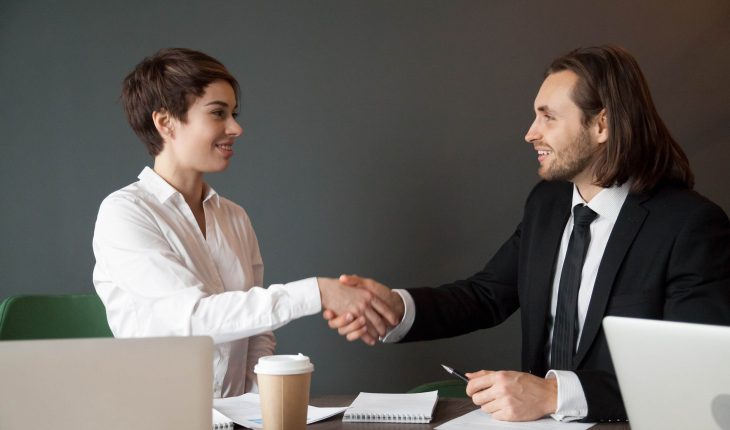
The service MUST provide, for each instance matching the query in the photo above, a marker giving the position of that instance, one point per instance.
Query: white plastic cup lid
(284, 365)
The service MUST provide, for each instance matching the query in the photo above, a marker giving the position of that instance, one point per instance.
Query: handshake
(360, 308)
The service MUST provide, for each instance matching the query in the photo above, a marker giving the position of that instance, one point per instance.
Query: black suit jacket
(668, 257)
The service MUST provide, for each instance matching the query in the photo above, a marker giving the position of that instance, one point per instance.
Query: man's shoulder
(675, 207)
(677, 198)
(550, 191)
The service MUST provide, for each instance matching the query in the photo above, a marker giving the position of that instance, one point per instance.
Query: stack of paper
(478, 420)
(245, 410)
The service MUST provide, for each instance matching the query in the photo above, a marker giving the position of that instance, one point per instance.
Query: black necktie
(565, 330)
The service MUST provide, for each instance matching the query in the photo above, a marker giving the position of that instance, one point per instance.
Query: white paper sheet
(221, 421)
(245, 410)
(478, 420)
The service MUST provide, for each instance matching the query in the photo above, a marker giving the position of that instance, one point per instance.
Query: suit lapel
(628, 224)
(546, 236)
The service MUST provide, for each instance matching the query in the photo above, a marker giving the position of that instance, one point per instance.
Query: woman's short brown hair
(169, 80)
(639, 145)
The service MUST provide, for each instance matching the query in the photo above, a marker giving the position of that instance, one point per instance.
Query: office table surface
(446, 410)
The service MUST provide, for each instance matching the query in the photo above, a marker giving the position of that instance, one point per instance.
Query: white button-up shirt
(159, 276)
(572, 403)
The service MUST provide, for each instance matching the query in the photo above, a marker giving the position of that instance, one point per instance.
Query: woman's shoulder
(233, 210)
(132, 203)
(131, 194)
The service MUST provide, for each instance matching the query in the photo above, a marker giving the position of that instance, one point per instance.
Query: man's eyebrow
(544, 109)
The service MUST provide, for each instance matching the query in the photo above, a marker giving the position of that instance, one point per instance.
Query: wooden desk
(446, 410)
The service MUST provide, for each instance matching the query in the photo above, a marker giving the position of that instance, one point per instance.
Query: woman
(173, 258)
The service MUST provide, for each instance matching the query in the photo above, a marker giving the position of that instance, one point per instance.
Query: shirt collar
(158, 187)
(607, 203)
(212, 195)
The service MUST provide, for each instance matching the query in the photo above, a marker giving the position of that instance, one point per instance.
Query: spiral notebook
(392, 408)
(221, 422)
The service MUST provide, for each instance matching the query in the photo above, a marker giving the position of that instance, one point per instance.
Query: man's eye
(218, 113)
(234, 115)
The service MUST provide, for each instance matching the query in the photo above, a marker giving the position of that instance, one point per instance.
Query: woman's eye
(218, 113)
(234, 115)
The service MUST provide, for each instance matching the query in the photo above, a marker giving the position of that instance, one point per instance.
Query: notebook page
(380, 407)
(221, 421)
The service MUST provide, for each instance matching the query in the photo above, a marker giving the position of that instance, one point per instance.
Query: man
(614, 229)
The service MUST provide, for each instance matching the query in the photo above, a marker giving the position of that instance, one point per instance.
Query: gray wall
(381, 137)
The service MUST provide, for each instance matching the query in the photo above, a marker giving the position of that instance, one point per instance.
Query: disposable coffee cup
(284, 389)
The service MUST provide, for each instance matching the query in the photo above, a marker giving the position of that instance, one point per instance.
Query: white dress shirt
(607, 204)
(159, 276)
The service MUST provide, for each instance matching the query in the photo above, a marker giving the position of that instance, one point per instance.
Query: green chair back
(448, 388)
(53, 317)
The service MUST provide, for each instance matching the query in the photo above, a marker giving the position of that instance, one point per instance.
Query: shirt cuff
(572, 404)
(409, 315)
(305, 298)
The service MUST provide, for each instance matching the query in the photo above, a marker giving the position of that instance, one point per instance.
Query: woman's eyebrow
(217, 102)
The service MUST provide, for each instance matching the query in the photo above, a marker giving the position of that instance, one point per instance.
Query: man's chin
(545, 174)
(552, 176)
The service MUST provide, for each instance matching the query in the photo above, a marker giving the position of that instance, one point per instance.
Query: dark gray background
(383, 138)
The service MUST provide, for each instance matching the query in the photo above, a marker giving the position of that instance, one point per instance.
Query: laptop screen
(147, 383)
(671, 375)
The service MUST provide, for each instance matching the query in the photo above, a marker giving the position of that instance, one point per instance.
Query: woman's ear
(164, 124)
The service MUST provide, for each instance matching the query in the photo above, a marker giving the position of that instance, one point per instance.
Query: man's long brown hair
(639, 145)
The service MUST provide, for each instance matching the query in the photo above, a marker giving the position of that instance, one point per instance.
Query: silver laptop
(149, 383)
(671, 375)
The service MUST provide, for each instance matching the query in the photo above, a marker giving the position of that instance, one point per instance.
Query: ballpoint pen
(455, 373)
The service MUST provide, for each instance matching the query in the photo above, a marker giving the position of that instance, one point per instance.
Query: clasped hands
(361, 308)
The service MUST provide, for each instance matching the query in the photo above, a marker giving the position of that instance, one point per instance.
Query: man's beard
(571, 161)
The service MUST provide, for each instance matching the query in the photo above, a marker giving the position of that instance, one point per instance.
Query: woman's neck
(189, 184)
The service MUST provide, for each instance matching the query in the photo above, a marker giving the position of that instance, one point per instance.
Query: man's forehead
(555, 91)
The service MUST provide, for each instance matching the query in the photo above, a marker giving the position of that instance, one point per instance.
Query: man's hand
(513, 396)
(386, 303)
(360, 312)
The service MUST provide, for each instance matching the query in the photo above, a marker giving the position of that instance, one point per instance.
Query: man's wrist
(551, 401)
(572, 404)
(397, 304)
(409, 314)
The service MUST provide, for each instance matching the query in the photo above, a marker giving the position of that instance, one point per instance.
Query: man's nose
(532, 134)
